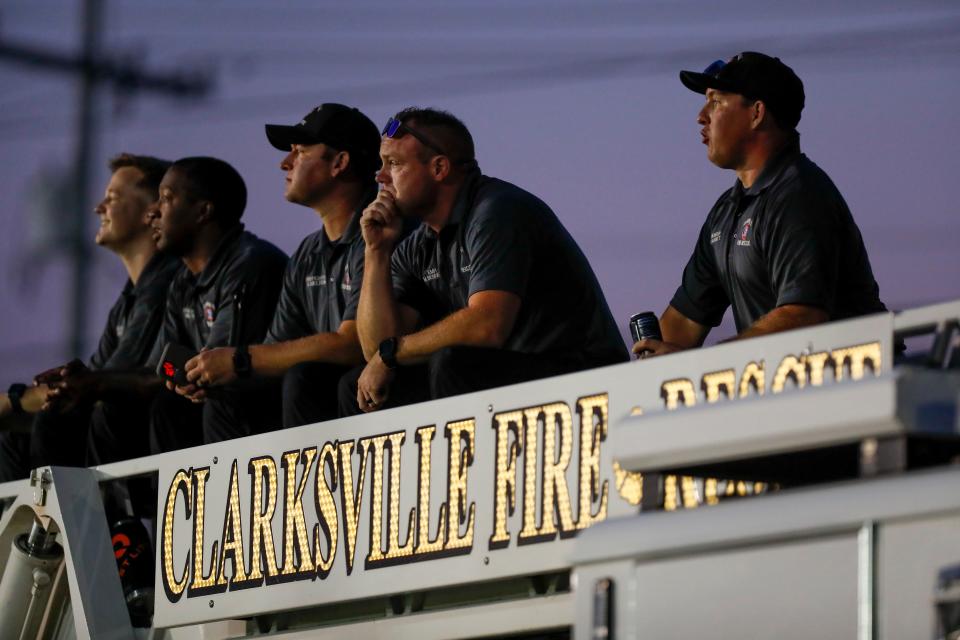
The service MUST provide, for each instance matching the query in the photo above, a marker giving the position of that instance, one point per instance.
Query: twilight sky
(578, 102)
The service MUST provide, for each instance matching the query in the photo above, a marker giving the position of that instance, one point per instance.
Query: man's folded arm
(486, 321)
(336, 347)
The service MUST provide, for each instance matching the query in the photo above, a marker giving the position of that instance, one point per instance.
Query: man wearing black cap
(780, 246)
(226, 295)
(490, 290)
(332, 156)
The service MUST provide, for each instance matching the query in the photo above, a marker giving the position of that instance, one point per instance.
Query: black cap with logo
(755, 76)
(339, 126)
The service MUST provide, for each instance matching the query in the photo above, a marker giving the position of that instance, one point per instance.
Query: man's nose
(702, 116)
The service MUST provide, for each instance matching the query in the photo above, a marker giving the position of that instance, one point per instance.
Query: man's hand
(373, 386)
(649, 348)
(191, 392)
(211, 367)
(56, 374)
(68, 387)
(381, 223)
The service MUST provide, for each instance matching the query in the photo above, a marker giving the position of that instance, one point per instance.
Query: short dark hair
(215, 180)
(443, 127)
(151, 168)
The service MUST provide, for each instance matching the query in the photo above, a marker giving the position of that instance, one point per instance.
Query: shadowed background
(578, 102)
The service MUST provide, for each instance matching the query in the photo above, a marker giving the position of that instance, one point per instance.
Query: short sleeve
(498, 244)
(701, 296)
(801, 249)
(249, 302)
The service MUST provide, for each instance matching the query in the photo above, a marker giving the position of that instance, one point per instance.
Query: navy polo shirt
(321, 286)
(136, 316)
(788, 239)
(500, 237)
(230, 302)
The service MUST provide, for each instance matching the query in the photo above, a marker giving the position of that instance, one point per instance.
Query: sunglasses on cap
(395, 129)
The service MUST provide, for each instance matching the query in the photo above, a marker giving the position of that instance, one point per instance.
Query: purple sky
(577, 102)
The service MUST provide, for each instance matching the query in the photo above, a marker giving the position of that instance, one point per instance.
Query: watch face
(388, 352)
(242, 362)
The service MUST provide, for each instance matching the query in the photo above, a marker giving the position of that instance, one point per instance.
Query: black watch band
(242, 362)
(14, 395)
(388, 353)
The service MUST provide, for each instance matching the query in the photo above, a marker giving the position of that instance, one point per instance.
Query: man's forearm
(335, 348)
(470, 327)
(377, 313)
(111, 384)
(785, 318)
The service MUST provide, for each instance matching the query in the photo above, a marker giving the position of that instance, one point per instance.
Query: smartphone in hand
(173, 363)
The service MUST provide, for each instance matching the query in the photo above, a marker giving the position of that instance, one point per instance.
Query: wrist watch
(388, 353)
(14, 394)
(242, 362)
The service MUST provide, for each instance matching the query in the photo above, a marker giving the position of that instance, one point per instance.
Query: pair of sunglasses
(395, 128)
(714, 67)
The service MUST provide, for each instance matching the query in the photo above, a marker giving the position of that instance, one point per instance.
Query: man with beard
(225, 296)
(490, 290)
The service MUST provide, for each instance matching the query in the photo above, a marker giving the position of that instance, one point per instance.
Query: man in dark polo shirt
(489, 290)
(69, 399)
(332, 156)
(225, 296)
(781, 245)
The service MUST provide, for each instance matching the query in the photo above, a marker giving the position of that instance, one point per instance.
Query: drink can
(645, 325)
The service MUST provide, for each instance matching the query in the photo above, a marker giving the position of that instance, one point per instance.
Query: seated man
(490, 290)
(226, 295)
(332, 156)
(781, 245)
(74, 396)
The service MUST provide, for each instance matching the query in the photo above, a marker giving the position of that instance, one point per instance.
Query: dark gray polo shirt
(788, 239)
(136, 316)
(499, 237)
(245, 274)
(321, 286)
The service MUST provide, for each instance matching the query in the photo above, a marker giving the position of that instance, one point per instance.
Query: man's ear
(340, 163)
(758, 114)
(206, 212)
(440, 168)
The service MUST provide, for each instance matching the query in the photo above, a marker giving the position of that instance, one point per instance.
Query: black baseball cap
(756, 76)
(339, 126)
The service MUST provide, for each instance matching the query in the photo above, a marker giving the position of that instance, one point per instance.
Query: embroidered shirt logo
(465, 268)
(188, 313)
(317, 281)
(744, 231)
(345, 284)
(209, 313)
(431, 274)
(715, 237)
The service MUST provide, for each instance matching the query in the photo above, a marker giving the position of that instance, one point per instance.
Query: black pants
(88, 435)
(310, 393)
(118, 431)
(242, 409)
(455, 370)
(14, 455)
